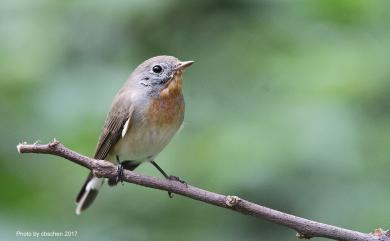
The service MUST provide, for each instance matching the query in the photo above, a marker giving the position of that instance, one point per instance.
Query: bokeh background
(288, 105)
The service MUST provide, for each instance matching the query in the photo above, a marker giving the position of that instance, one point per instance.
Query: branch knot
(232, 201)
(54, 143)
(379, 232)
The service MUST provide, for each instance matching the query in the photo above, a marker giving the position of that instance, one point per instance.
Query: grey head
(153, 74)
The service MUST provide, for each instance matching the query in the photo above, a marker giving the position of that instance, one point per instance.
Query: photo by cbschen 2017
(277, 110)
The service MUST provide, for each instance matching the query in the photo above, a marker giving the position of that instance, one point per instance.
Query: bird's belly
(143, 142)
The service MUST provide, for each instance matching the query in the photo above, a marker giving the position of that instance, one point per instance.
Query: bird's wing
(117, 123)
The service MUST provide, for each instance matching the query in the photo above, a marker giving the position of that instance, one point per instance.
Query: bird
(145, 114)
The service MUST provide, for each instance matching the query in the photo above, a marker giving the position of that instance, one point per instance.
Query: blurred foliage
(287, 105)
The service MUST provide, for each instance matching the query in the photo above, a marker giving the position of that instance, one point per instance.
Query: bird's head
(160, 75)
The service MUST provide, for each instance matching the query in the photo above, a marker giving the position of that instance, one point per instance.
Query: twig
(306, 228)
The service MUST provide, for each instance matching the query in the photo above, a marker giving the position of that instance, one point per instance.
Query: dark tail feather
(88, 193)
(82, 190)
(92, 185)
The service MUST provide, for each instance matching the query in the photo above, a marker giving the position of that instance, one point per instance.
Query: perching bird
(144, 116)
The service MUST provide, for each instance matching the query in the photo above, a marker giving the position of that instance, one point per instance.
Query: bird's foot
(170, 177)
(122, 165)
(176, 179)
(119, 176)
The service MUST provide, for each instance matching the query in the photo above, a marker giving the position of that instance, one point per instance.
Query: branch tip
(18, 147)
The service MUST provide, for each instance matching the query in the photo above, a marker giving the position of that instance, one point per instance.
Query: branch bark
(306, 228)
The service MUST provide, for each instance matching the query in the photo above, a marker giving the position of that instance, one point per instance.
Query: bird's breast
(167, 108)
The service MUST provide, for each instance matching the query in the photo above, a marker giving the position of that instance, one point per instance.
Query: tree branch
(306, 228)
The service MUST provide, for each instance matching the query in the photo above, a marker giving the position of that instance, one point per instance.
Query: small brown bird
(145, 114)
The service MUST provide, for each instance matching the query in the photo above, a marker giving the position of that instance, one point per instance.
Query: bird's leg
(159, 169)
(169, 177)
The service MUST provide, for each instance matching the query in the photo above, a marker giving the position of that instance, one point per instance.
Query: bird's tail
(88, 193)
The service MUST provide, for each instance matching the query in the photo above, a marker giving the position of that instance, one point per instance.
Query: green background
(287, 105)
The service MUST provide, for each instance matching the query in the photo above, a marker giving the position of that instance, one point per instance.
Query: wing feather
(113, 127)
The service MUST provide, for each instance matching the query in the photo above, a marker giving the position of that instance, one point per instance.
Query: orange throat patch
(173, 87)
(168, 108)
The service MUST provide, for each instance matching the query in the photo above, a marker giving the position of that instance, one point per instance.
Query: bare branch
(306, 228)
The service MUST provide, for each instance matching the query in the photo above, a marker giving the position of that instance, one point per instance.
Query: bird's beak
(184, 64)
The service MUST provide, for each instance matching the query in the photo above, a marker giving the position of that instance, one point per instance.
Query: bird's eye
(157, 69)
